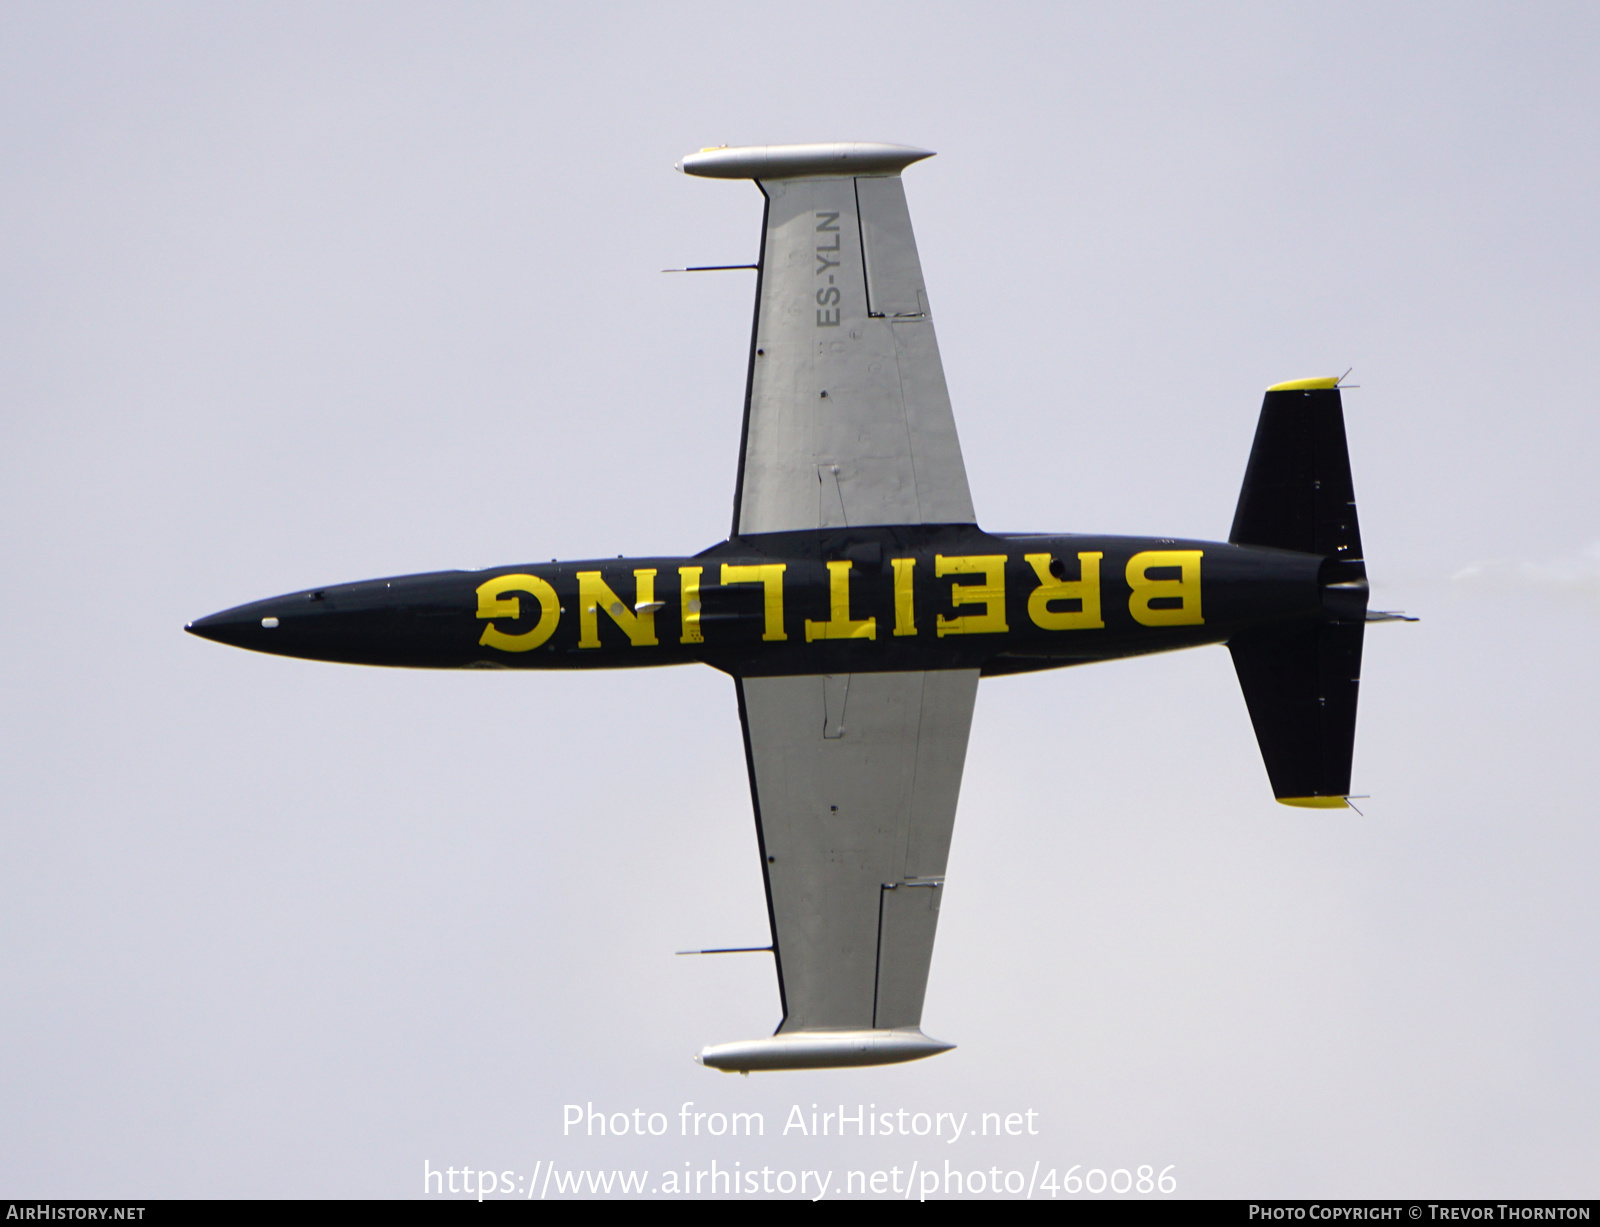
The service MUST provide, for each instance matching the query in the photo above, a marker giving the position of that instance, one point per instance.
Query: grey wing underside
(848, 421)
(855, 780)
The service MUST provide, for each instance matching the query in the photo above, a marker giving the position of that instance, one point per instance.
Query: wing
(855, 780)
(847, 418)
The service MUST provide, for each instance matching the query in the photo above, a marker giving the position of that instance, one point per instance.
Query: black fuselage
(833, 601)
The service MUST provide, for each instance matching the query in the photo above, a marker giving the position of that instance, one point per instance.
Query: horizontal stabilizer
(1300, 683)
(822, 1050)
(1297, 492)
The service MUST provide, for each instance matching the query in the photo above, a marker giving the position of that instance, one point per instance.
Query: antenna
(729, 950)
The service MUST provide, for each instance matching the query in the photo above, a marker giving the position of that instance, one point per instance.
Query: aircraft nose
(375, 622)
(249, 626)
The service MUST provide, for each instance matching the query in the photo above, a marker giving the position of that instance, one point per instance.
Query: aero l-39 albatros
(857, 603)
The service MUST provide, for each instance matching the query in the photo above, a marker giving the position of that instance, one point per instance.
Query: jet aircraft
(856, 603)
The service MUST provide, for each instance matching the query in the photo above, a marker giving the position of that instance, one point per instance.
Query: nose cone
(252, 626)
(425, 621)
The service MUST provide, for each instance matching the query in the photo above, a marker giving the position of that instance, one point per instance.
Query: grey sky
(298, 294)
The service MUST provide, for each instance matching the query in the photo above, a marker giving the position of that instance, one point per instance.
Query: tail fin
(1300, 681)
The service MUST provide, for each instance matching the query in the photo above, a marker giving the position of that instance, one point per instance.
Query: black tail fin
(1300, 681)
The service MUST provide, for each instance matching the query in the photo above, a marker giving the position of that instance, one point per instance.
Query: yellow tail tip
(1306, 385)
(1315, 802)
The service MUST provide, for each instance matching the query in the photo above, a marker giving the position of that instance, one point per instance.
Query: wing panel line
(877, 965)
(861, 235)
(744, 429)
(761, 836)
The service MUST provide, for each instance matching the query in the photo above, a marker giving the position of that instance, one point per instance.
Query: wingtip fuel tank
(822, 1050)
(801, 161)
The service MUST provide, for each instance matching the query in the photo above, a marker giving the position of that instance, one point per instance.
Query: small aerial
(856, 604)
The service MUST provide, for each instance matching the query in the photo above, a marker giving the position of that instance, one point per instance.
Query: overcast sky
(299, 294)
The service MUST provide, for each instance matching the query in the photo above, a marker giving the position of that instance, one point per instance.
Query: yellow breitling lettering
(905, 621)
(689, 597)
(839, 625)
(770, 576)
(1085, 590)
(638, 623)
(991, 594)
(494, 603)
(1185, 589)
